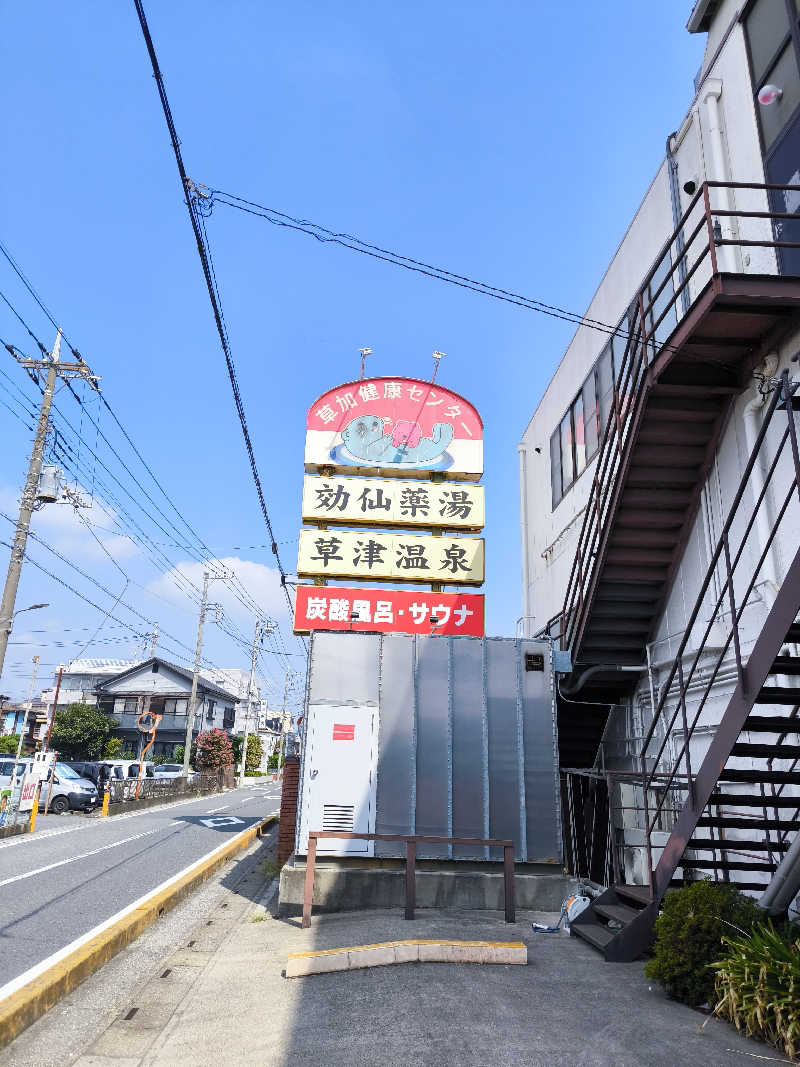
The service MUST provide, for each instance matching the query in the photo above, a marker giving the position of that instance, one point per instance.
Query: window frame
(791, 37)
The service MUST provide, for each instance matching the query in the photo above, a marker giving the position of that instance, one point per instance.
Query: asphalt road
(62, 880)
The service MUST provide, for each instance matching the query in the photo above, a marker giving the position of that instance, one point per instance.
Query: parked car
(173, 770)
(70, 791)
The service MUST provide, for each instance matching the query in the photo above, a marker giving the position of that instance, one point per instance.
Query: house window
(228, 718)
(210, 711)
(169, 706)
(130, 706)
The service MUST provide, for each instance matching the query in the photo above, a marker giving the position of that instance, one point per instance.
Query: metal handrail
(411, 841)
(641, 348)
(726, 589)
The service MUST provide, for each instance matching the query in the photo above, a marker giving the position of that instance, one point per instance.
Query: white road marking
(26, 839)
(221, 820)
(223, 807)
(82, 856)
(39, 968)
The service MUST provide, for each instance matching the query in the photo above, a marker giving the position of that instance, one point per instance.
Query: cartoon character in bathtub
(366, 438)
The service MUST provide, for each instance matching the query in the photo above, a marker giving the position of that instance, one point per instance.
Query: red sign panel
(343, 732)
(388, 611)
(396, 426)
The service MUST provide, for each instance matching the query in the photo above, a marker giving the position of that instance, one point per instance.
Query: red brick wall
(291, 783)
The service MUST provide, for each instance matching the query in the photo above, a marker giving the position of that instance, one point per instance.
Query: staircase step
(786, 665)
(793, 636)
(727, 865)
(754, 800)
(757, 776)
(639, 893)
(731, 822)
(755, 887)
(595, 933)
(731, 845)
(778, 694)
(778, 751)
(771, 724)
(620, 913)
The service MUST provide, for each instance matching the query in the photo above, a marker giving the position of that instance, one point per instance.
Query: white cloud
(261, 582)
(61, 527)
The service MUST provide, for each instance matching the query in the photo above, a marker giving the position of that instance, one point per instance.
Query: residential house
(161, 687)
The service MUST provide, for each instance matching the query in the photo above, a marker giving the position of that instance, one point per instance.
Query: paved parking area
(226, 1002)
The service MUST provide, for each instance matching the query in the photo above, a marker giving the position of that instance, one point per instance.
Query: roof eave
(701, 16)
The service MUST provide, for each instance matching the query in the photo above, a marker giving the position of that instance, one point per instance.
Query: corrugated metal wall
(466, 742)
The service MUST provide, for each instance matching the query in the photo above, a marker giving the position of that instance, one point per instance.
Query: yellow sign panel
(374, 556)
(370, 501)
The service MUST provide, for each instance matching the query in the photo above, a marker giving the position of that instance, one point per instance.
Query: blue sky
(510, 142)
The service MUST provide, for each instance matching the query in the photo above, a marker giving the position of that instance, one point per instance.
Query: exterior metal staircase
(730, 811)
(695, 331)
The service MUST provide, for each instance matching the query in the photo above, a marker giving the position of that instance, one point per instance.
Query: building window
(773, 39)
(228, 718)
(576, 441)
(130, 705)
(169, 706)
(210, 711)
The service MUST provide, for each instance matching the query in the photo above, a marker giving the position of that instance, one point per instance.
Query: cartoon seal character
(365, 438)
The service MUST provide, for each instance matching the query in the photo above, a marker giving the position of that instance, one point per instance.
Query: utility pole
(154, 635)
(55, 706)
(190, 711)
(55, 369)
(256, 639)
(283, 723)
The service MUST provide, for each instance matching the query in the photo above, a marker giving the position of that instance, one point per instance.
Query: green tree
(214, 750)
(8, 745)
(254, 752)
(113, 748)
(80, 731)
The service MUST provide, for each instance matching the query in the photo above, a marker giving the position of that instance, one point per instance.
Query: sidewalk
(222, 1000)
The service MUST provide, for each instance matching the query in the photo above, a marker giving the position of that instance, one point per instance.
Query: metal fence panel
(397, 743)
(505, 792)
(542, 793)
(466, 736)
(344, 669)
(470, 768)
(433, 742)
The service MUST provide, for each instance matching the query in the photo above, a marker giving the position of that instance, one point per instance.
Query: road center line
(82, 856)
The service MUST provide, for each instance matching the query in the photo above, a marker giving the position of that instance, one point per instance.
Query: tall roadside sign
(388, 493)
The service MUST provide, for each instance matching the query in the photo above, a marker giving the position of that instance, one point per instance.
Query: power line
(357, 244)
(243, 595)
(195, 219)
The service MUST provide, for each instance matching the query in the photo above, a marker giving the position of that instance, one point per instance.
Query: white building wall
(704, 148)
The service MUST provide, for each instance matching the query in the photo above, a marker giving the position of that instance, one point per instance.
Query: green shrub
(272, 762)
(689, 937)
(758, 986)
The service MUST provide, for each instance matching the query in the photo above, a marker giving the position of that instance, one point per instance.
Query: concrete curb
(27, 998)
(300, 964)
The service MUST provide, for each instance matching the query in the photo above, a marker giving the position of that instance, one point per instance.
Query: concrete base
(355, 885)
